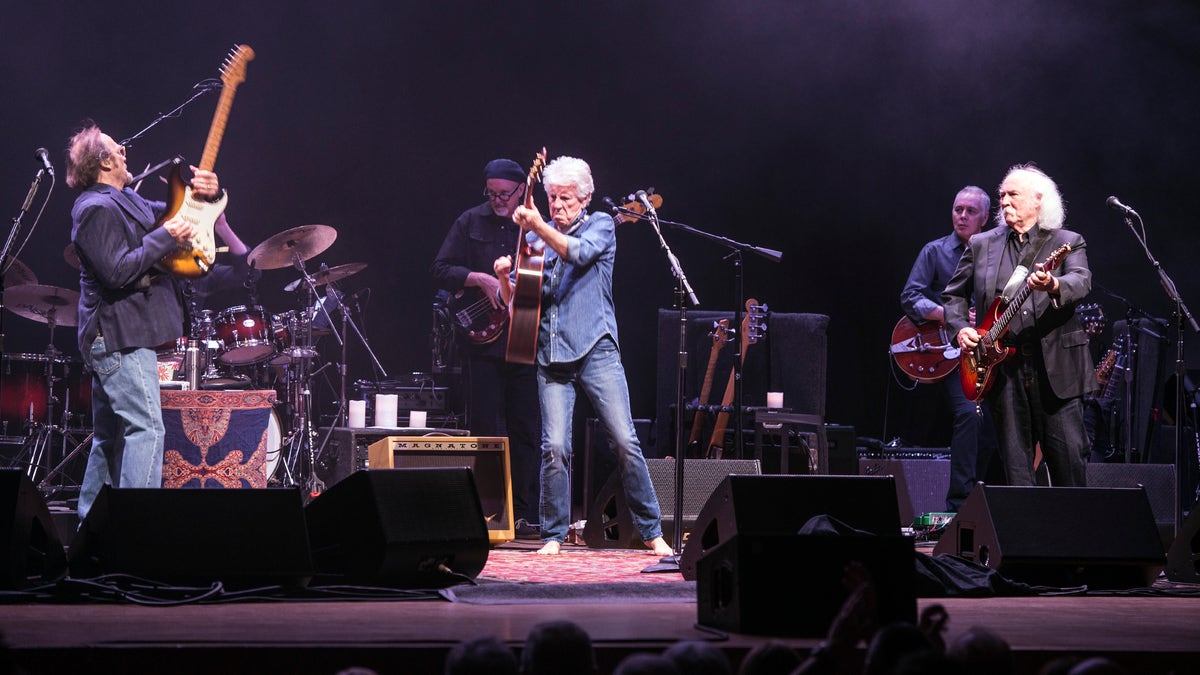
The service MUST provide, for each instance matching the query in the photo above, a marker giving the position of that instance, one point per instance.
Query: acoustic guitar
(753, 327)
(525, 306)
(978, 371)
(195, 258)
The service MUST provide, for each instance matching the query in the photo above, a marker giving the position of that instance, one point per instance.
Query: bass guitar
(475, 317)
(978, 373)
(923, 350)
(753, 327)
(525, 306)
(196, 257)
(720, 336)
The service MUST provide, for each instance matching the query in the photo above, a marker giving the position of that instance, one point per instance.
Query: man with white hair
(1037, 394)
(577, 349)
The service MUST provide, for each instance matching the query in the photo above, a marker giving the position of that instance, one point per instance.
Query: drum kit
(240, 347)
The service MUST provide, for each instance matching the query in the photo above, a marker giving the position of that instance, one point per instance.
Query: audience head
(891, 644)
(643, 663)
(770, 658)
(484, 655)
(558, 647)
(983, 651)
(697, 657)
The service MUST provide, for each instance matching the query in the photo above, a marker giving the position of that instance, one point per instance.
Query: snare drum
(245, 335)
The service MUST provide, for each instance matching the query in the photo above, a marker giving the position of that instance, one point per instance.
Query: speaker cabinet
(1062, 537)
(1157, 479)
(486, 457)
(921, 483)
(238, 537)
(780, 504)
(792, 585)
(347, 450)
(402, 528)
(33, 552)
(609, 523)
(1183, 558)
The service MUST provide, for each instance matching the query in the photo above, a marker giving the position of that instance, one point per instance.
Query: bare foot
(549, 548)
(660, 547)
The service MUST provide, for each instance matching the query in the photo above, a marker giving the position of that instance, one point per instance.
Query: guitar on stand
(978, 371)
(720, 337)
(196, 258)
(525, 306)
(753, 327)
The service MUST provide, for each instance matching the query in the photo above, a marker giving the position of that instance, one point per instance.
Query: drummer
(127, 307)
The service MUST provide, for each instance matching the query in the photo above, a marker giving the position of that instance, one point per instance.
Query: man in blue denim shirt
(127, 307)
(577, 348)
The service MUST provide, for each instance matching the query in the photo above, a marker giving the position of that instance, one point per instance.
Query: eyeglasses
(119, 150)
(501, 196)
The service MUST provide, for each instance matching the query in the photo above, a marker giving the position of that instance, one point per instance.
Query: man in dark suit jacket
(1037, 395)
(127, 307)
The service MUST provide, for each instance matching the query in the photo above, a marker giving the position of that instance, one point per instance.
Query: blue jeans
(602, 378)
(127, 426)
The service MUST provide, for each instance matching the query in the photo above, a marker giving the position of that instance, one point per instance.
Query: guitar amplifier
(422, 396)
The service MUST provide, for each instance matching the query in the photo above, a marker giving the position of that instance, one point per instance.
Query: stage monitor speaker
(778, 504)
(238, 537)
(486, 456)
(792, 585)
(921, 482)
(400, 528)
(32, 550)
(1183, 558)
(1159, 481)
(1055, 536)
(609, 523)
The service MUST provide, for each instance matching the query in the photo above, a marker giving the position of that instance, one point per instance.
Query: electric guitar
(753, 328)
(720, 336)
(525, 306)
(978, 373)
(196, 257)
(923, 350)
(475, 317)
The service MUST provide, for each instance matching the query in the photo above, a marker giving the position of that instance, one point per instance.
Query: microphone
(640, 195)
(611, 206)
(1116, 205)
(44, 157)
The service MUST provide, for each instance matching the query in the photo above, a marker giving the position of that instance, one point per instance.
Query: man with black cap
(502, 397)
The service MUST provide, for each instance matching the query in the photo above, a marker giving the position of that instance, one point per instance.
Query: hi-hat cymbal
(329, 274)
(281, 250)
(71, 255)
(46, 304)
(17, 273)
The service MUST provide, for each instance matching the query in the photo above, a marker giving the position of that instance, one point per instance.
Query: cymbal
(71, 255)
(281, 250)
(44, 303)
(17, 273)
(322, 277)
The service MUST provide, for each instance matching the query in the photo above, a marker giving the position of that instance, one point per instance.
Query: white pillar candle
(417, 419)
(358, 415)
(775, 399)
(385, 409)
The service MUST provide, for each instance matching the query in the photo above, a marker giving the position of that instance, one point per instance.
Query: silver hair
(981, 194)
(570, 172)
(1053, 212)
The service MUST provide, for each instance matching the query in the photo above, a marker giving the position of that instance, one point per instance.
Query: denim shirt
(577, 300)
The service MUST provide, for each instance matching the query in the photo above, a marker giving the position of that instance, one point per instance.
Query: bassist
(1037, 394)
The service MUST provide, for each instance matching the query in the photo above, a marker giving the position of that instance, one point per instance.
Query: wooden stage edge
(1144, 634)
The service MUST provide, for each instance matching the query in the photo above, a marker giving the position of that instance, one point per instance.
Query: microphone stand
(12, 237)
(1180, 314)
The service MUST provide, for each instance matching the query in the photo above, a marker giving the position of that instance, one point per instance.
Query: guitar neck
(216, 131)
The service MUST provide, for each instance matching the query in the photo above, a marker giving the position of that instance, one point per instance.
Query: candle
(385, 409)
(774, 399)
(358, 415)
(417, 419)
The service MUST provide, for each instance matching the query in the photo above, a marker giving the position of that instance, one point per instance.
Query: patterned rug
(519, 562)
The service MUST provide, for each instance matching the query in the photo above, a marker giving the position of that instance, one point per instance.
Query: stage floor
(1148, 632)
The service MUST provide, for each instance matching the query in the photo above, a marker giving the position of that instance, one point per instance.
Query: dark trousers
(1026, 412)
(502, 400)
(972, 447)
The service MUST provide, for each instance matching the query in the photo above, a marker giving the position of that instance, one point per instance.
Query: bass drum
(274, 441)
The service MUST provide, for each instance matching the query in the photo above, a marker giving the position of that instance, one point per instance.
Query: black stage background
(837, 132)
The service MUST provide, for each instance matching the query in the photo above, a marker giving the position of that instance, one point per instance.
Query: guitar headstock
(1092, 317)
(720, 332)
(1056, 257)
(754, 324)
(233, 70)
(637, 208)
(535, 176)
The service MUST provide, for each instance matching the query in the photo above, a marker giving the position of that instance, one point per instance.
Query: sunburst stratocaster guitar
(977, 372)
(195, 258)
(525, 306)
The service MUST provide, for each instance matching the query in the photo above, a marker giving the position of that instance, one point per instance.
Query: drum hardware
(284, 249)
